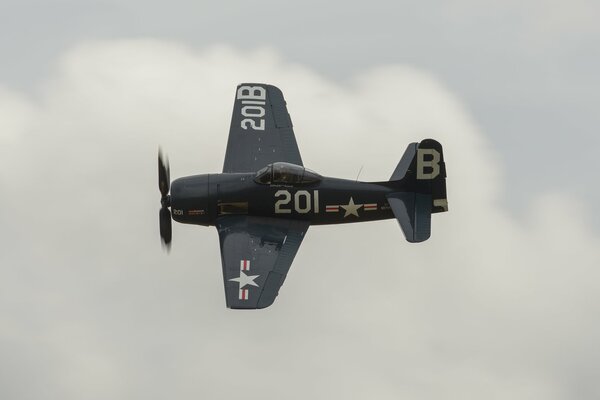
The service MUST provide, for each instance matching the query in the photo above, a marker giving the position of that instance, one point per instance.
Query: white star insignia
(244, 279)
(351, 208)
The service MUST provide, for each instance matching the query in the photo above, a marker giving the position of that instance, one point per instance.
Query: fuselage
(201, 199)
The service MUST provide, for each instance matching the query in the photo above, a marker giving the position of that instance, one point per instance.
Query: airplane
(264, 201)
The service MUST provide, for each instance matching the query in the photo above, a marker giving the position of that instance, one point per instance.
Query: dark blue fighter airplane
(265, 199)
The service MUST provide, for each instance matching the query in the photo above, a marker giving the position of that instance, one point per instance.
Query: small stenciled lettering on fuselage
(196, 212)
(302, 202)
(253, 99)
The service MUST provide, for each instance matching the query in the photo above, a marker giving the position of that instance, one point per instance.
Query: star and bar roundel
(245, 280)
(351, 208)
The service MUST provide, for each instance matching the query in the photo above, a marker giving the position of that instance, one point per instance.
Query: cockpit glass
(264, 175)
(287, 173)
(282, 173)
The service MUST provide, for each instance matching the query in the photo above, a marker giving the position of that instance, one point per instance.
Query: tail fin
(421, 180)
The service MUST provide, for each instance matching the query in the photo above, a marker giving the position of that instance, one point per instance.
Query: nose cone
(190, 200)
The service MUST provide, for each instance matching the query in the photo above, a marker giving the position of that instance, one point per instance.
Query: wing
(256, 253)
(261, 130)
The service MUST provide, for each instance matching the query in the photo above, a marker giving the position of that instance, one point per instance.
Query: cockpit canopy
(282, 173)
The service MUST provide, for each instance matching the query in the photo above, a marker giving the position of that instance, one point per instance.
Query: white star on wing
(351, 208)
(244, 279)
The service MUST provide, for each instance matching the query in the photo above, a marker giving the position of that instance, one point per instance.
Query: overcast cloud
(526, 70)
(91, 308)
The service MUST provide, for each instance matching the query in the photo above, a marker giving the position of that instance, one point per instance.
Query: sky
(501, 302)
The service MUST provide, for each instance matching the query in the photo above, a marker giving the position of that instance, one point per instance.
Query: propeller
(164, 184)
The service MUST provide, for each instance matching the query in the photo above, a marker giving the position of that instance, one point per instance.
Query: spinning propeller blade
(164, 216)
(165, 226)
(164, 181)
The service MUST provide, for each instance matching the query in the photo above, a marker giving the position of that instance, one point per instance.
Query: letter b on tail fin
(428, 163)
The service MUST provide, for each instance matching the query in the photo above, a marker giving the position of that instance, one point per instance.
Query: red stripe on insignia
(243, 294)
(370, 207)
(332, 208)
(244, 265)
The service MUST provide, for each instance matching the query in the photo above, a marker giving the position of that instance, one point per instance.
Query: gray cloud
(90, 307)
(526, 70)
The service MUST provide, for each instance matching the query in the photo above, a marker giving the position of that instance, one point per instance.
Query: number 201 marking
(303, 201)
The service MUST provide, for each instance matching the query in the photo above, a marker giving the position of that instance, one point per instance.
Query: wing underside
(256, 254)
(261, 130)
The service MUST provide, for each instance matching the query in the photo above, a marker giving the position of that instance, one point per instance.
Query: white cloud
(90, 307)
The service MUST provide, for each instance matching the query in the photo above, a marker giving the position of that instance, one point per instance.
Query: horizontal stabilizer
(413, 212)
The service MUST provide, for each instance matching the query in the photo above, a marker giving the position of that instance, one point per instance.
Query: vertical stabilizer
(421, 179)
